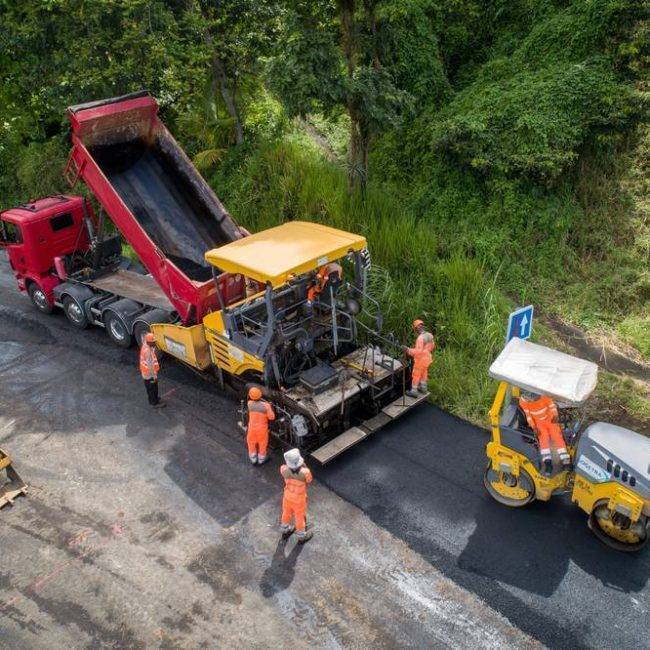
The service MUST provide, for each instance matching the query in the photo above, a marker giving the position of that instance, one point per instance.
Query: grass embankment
(415, 274)
(461, 267)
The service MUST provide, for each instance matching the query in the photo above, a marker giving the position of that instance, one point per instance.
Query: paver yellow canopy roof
(294, 247)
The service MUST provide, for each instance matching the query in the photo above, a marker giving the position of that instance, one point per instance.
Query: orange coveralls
(294, 501)
(422, 355)
(149, 366)
(260, 413)
(322, 277)
(542, 418)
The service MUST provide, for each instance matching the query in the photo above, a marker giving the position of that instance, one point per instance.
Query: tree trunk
(358, 149)
(220, 79)
(358, 155)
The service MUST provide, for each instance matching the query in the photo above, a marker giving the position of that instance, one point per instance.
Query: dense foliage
(500, 145)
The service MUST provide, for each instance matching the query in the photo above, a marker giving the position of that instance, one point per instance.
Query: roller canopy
(293, 248)
(544, 371)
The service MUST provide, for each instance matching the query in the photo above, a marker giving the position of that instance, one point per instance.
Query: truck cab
(35, 234)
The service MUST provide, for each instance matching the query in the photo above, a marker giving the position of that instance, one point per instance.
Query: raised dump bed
(165, 203)
(156, 198)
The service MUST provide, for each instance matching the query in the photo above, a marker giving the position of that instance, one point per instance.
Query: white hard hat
(293, 458)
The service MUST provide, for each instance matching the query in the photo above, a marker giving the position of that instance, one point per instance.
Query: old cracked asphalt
(150, 529)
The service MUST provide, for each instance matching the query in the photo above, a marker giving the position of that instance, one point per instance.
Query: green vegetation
(493, 152)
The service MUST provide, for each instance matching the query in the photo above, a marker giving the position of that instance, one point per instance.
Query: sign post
(520, 323)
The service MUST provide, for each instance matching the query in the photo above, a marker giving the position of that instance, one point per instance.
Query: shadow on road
(280, 573)
(531, 549)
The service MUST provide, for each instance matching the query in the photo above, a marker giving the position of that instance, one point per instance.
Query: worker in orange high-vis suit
(331, 272)
(260, 413)
(149, 369)
(422, 354)
(542, 416)
(297, 477)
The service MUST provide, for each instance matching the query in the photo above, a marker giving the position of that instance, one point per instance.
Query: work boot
(304, 536)
(287, 531)
(252, 458)
(423, 388)
(262, 459)
(412, 393)
(160, 405)
(548, 467)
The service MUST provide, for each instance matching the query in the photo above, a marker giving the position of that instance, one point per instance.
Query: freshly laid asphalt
(540, 566)
(419, 480)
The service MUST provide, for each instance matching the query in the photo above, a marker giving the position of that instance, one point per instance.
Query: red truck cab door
(11, 238)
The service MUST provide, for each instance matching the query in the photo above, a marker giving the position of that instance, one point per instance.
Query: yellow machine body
(202, 345)
(274, 257)
(617, 497)
(617, 514)
(188, 344)
(224, 353)
(505, 460)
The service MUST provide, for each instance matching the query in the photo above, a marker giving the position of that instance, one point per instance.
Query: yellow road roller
(609, 473)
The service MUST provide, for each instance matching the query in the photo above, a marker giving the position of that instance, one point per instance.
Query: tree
(61, 52)
(237, 34)
(333, 56)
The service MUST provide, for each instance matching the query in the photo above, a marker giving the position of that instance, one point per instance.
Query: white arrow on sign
(522, 325)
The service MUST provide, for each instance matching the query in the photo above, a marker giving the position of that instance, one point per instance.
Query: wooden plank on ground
(8, 494)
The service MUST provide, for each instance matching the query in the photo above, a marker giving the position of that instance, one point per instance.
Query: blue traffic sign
(520, 323)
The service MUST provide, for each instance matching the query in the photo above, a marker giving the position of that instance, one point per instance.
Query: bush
(533, 123)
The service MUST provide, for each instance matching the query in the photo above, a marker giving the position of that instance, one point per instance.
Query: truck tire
(38, 297)
(75, 313)
(117, 330)
(140, 329)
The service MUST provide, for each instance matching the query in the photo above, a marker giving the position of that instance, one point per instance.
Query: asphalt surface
(540, 566)
(419, 481)
(150, 529)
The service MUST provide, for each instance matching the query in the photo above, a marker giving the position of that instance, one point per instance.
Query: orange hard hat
(417, 323)
(255, 393)
(149, 337)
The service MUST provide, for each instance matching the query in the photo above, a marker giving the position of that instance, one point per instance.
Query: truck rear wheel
(75, 313)
(140, 330)
(39, 299)
(117, 331)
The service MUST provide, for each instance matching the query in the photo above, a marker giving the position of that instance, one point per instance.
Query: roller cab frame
(610, 475)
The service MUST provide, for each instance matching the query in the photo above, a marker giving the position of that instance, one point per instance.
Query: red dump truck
(62, 255)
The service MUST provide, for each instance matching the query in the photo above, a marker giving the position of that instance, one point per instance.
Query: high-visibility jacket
(539, 412)
(322, 277)
(422, 353)
(295, 484)
(260, 413)
(149, 366)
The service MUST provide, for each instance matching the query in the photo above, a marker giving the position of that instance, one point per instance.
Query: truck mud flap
(354, 435)
(13, 486)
